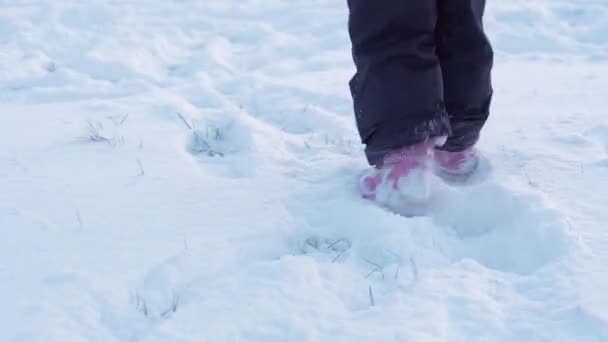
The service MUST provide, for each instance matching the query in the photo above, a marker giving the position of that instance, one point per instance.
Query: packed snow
(186, 171)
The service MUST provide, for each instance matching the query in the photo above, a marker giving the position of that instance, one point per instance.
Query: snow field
(185, 171)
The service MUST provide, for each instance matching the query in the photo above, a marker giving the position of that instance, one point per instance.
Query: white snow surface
(186, 171)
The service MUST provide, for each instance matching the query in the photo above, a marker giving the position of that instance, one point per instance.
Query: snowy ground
(184, 171)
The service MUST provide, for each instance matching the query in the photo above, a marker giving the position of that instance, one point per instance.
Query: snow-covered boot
(403, 176)
(456, 165)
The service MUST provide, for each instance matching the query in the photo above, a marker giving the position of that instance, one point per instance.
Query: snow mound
(507, 230)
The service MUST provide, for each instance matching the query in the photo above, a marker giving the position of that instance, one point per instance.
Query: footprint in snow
(501, 228)
(223, 148)
(158, 295)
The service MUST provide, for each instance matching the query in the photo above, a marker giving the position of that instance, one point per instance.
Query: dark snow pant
(423, 70)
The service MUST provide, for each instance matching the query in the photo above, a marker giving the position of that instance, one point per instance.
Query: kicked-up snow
(187, 170)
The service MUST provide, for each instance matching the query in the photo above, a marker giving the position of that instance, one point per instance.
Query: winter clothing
(403, 176)
(423, 71)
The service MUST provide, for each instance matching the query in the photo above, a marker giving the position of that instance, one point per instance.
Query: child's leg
(466, 59)
(398, 88)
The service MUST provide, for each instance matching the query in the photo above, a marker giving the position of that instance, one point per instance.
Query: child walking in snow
(422, 90)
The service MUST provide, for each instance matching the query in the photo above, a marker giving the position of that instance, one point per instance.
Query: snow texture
(186, 171)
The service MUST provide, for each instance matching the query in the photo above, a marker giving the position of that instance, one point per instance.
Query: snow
(186, 171)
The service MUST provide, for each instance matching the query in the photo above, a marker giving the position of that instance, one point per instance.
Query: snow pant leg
(397, 90)
(466, 59)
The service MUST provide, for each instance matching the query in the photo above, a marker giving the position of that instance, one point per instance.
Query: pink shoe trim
(397, 165)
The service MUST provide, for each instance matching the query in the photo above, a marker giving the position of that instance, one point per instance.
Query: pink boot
(457, 165)
(403, 177)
